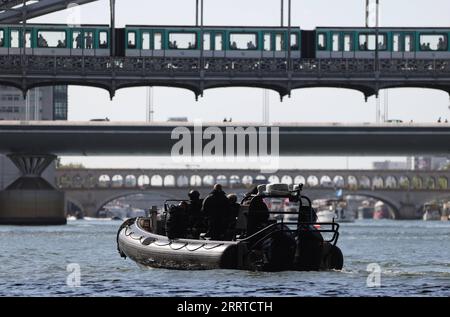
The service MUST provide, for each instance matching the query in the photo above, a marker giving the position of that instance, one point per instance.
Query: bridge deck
(107, 138)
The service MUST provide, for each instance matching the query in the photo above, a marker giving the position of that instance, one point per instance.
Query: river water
(413, 257)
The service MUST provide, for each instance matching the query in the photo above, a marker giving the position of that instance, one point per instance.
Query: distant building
(391, 165)
(43, 103)
(429, 163)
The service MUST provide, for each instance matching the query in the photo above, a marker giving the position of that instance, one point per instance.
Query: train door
(336, 51)
(219, 44)
(15, 39)
(397, 47)
(208, 44)
(89, 42)
(132, 43)
(348, 45)
(102, 43)
(267, 45)
(158, 43)
(146, 43)
(3, 42)
(279, 44)
(409, 50)
(77, 42)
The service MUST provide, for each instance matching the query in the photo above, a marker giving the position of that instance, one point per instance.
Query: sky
(245, 104)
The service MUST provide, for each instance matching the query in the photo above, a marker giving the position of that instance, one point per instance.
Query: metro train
(226, 42)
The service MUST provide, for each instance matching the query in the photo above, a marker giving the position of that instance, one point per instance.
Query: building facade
(44, 104)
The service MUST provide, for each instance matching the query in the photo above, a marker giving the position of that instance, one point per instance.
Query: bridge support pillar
(31, 200)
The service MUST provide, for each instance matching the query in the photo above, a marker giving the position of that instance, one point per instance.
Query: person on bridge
(217, 208)
(89, 41)
(196, 218)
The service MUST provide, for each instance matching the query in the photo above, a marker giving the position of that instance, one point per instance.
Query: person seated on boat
(176, 224)
(196, 218)
(233, 215)
(258, 215)
(216, 208)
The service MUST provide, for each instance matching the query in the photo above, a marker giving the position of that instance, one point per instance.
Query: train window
(182, 41)
(77, 40)
(294, 42)
(279, 43)
(146, 41)
(103, 39)
(157, 41)
(367, 42)
(88, 40)
(207, 41)
(243, 41)
(433, 42)
(2, 38)
(335, 43)
(322, 42)
(348, 43)
(408, 45)
(218, 42)
(51, 39)
(267, 42)
(14, 39)
(396, 43)
(132, 40)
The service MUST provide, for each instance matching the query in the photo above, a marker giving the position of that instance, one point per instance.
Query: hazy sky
(245, 104)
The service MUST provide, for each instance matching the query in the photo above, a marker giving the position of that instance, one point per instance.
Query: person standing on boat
(217, 208)
(196, 218)
(176, 225)
(232, 216)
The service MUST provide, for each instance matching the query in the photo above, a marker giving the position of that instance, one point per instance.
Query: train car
(55, 40)
(393, 43)
(218, 42)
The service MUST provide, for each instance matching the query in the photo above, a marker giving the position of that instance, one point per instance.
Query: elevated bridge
(404, 191)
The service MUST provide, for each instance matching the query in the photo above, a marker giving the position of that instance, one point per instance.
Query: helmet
(194, 194)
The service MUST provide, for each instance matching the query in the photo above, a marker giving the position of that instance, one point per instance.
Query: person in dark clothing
(196, 218)
(232, 216)
(258, 215)
(217, 208)
(176, 224)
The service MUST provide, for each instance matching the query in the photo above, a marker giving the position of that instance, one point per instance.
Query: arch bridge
(405, 191)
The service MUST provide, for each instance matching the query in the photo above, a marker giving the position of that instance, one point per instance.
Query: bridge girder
(14, 13)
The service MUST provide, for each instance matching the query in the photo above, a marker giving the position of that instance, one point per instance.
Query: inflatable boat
(303, 245)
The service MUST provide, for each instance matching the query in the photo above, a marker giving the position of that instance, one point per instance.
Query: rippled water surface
(414, 257)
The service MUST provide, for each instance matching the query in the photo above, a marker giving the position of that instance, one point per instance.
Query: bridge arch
(394, 209)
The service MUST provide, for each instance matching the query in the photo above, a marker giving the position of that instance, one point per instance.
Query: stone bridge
(405, 191)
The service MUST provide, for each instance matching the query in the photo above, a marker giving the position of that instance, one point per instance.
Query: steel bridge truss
(197, 75)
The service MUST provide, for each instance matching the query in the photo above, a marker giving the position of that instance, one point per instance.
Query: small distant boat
(333, 210)
(380, 211)
(432, 212)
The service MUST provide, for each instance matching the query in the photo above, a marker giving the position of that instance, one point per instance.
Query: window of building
(52, 39)
(433, 42)
(182, 41)
(103, 39)
(157, 41)
(132, 40)
(218, 41)
(279, 43)
(322, 42)
(207, 41)
(243, 41)
(367, 42)
(146, 41)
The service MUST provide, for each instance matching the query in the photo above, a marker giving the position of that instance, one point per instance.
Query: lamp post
(112, 4)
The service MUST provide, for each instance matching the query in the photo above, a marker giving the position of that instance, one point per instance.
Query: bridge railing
(154, 66)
